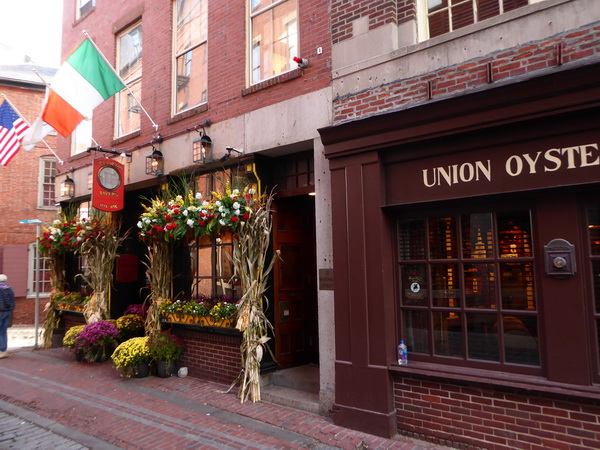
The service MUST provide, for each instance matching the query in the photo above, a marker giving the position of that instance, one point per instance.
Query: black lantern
(67, 187)
(202, 146)
(202, 149)
(154, 162)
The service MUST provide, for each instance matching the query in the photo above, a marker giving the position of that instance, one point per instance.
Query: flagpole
(120, 79)
(29, 125)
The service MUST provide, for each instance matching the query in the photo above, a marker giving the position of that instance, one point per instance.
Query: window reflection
(467, 283)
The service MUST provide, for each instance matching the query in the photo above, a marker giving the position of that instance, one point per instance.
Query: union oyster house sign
(489, 172)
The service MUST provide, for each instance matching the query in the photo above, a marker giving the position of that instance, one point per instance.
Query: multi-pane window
(444, 16)
(191, 62)
(594, 245)
(274, 38)
(467, 288)
(129, 66)
(81, 138)
(43, 274)
(84, 6)
(211, 267)
(46, 186)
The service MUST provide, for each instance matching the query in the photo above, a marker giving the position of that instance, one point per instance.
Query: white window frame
(41, 184)
(176, 55)
(81, 139)
(252, 56)
(31, 276)
(423, 17)
(129, 82)
(83, 7)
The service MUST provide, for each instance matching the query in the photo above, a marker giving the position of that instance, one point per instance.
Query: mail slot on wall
(559, 257)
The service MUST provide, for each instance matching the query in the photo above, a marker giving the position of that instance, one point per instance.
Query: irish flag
(83, 82)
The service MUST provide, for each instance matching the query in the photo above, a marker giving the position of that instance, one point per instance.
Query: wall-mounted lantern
(202, 148)
(67, 187)
(154, 162)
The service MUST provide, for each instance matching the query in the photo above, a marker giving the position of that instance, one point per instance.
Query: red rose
(234, 219)
(246, 216)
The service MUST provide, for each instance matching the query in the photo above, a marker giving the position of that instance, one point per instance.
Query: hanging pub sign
(108, 188)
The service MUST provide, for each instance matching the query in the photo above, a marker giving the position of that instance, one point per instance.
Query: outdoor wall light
(154, 162)
(228, 154)
(202, 148)
(67, 187)
(302, 62)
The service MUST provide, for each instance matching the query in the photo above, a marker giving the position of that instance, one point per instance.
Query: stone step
(304, 401)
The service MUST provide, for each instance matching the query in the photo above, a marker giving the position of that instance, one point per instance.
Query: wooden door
(295, 282)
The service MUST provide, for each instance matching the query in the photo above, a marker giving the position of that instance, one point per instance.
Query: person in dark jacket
(7, 304)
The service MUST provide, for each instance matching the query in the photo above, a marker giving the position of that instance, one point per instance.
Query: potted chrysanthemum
(165, 349)
(97, 341)
(71, 335)
(130, 325)
(132, 357)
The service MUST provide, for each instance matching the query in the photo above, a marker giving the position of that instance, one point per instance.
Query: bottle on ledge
(402, 354)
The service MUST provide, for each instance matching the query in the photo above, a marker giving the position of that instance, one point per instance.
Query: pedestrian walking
(7, 304)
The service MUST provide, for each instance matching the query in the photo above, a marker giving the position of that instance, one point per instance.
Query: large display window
(467, 288)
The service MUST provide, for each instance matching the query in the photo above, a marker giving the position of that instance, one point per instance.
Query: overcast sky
(33, 28)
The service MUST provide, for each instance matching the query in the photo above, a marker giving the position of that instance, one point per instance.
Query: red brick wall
(226, 59)
(343, 13)
(459, 79)
(209, 356)
(494, 418)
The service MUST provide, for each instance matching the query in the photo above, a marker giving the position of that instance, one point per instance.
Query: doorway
(295, 287)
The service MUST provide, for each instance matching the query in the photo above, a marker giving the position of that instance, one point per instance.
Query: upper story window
(444, 16)
(274, 38)
(129, 66)
(46, 188)
(81, 139)
(191, 61)
(83, 7)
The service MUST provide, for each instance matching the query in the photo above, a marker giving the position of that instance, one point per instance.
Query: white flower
(235, 192)
(185, 212)
(251, 191)
(147, 221)
(140, 224)
(205, 203)
(56, 222)
(198, 195)
(237, 212)
(236, 205)
(221, 208)
(51, 237)
(190, 223)
(222, 222)
(218, 203)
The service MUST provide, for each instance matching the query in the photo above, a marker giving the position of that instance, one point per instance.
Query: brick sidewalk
(153, 413)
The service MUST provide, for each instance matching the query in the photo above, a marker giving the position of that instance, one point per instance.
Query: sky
(33, 28)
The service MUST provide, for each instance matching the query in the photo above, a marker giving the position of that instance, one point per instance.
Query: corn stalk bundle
(100, 252)
(251, 267)
(160, 273)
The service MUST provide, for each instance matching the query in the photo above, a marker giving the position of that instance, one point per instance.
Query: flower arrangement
(97, 341)
(218, 307)
(71, 335)
(192, 216)
(140, 310)
(69, 300)
(130, 325)
(129, 354)
(165, 346)
(57, 238)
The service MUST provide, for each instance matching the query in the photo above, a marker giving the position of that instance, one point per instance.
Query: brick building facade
(22, 189)
(441, 131)
(452, 152)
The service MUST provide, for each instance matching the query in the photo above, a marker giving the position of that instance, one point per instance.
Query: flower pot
(141, 369)
(165, 369)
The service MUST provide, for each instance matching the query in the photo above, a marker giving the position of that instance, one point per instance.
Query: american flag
(12, 131)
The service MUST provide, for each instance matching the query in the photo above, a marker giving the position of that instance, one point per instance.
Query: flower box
(203, 321)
